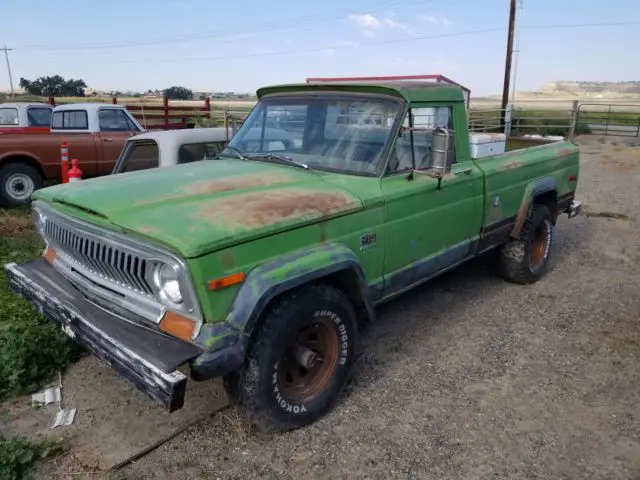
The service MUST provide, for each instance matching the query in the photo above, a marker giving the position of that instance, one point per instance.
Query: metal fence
(581, 119)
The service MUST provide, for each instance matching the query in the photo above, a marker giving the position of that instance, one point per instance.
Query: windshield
(333, 132)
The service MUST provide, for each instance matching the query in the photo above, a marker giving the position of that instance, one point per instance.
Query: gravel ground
(472, 377)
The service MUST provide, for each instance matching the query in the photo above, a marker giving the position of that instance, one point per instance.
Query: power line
(372, 43)
(232, 31)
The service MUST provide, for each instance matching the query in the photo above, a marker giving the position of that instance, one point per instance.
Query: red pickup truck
(95, 134)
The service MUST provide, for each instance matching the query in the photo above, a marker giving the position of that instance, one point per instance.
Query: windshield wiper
(280, 158)
(235, 150)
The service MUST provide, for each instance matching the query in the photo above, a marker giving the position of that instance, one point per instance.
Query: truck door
(115, 128)
(429, 229)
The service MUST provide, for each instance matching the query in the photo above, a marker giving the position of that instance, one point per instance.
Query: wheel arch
(25, 159)
(334, 264)
(541, 191)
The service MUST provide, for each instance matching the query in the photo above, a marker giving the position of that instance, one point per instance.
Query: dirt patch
(257, 209)
(14, 225)
(114, 420)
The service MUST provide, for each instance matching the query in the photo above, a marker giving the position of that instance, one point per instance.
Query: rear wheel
(17, 183)
(525, 260)
(299, 360)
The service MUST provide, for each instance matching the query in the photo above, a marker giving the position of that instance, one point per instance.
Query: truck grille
(112, 263)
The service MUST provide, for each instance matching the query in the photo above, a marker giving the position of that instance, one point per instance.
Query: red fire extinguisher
(75, 173)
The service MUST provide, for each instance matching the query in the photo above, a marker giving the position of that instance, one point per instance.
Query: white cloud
(366, 21)
(369, 24)
(436, 20)
(329, 52)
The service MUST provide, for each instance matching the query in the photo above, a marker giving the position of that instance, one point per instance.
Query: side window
(112, 120)
(70, 120)
(39, 117)
(9, 116)
(413, 146)
(141, 156)
(190, 152)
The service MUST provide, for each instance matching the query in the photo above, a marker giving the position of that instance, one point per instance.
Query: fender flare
(270, 279)
(532, 191)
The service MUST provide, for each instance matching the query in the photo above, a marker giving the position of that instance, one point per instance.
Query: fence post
(114, 100)
(507, 120)
(165, 104)
(575, 117)
(226, 123)
(207, 107)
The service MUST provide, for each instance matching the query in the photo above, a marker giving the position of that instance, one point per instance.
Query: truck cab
(25, 117)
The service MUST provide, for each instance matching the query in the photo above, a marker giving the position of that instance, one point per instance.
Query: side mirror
(440, 151)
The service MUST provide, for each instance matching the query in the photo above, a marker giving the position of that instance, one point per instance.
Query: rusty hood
(204, 206)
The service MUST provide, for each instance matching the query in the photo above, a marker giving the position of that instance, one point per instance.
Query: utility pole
(507, 64)
(6, 56)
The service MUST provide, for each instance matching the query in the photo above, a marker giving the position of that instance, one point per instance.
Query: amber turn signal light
(227, 281)
(177, 326)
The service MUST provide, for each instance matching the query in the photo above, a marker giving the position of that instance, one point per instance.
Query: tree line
(57, 86)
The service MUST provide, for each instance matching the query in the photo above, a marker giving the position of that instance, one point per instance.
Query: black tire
(18, 181)
(526, 260)
(265, 387)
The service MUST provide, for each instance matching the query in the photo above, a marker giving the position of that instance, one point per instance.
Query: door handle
(108, 139)
(462, 171)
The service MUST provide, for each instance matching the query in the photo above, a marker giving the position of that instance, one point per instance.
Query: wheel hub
(20, 186)
(310, 360)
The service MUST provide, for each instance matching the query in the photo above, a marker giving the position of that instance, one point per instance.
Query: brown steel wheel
(540, 243)
(310, 360)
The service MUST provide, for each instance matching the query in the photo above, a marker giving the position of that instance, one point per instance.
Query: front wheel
(17, 183)
(299, 360)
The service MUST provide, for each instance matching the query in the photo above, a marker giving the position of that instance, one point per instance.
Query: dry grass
(14, 223)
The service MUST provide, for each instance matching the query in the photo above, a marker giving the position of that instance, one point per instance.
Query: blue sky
(141, 44)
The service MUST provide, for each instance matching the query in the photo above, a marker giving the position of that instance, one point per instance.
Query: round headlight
(166, 279)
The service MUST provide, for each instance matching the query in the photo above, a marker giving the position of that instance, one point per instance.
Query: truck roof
(24, 104)
(414, 91)
(90, 107)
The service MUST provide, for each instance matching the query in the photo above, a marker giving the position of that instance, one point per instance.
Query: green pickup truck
(259, 266)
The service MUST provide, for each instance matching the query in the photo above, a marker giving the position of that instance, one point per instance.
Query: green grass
(32, 350)
(18, 456)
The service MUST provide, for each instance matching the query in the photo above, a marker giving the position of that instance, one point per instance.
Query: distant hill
(581, 88)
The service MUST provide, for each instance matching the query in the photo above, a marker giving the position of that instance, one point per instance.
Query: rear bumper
(146, 357)
(575, 208)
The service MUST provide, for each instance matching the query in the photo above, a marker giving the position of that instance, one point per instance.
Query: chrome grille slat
(112, 263)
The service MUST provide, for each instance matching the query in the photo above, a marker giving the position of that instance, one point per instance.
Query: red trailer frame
(401, 78)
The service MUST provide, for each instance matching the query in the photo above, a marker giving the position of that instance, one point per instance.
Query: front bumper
(146, 357)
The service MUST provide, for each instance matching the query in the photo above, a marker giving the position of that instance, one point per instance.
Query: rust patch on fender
(520, 219)
(257, 209)
(228, 260)
(564, 152)
(511, 165)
